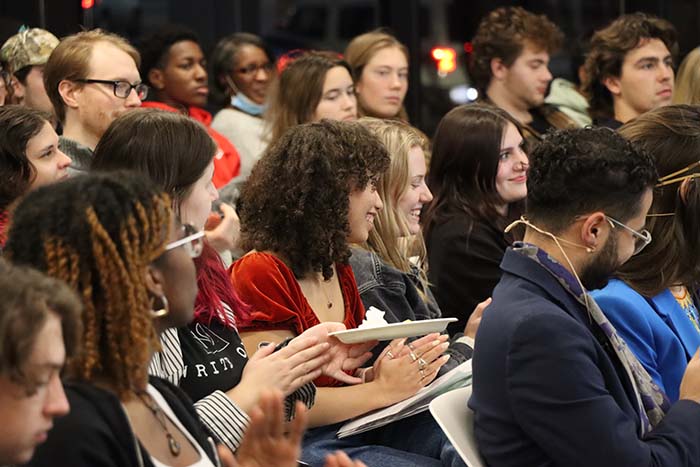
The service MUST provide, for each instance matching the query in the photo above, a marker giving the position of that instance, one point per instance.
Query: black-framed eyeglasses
(122, 89)
(641, 238)
(253, 68)
(193, 241)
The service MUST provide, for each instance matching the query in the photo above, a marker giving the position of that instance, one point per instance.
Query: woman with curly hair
(477, 176)
(115, 240)
(313, 86)
(297, 275)
(387, 277)
(177, 154)
(29, 156)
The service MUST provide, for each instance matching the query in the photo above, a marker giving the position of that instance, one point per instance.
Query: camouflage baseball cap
(28, 47)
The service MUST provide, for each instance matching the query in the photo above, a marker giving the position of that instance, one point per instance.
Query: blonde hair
(391, 239)
(70, 60)
(687, 88)
(361, 50)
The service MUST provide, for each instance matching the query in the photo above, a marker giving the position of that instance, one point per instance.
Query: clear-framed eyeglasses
(641, 238)
(193, 241)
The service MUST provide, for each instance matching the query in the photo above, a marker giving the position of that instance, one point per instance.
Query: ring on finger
(410, 346)
(414, 357)
(390, 355)
(422, 363)
(422, 373)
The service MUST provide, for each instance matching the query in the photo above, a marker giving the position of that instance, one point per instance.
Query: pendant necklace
(173, 445)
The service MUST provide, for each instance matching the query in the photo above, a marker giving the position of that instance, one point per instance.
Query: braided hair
(98, 233)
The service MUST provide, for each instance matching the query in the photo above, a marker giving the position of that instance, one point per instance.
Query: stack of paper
(458, 377)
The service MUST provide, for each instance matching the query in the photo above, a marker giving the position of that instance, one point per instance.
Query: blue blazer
(548, 392)
(657, 330)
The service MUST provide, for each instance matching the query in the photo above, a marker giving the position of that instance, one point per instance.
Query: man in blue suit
(554, 384)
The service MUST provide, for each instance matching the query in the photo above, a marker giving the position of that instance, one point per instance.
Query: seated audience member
(39, 329)
(687, 86)
(116, 240)
(379, 64)
(567, 95)
(243, 68)
(478, 175)
(653, 301)
(26, 54)
(177, 154)
(91, 77)
(510, 67)
(297, 275)
(386, 275)
(629, 68)
(554, 383)
(6, 95)
(29, 157)
(310, 87)
(174, 65)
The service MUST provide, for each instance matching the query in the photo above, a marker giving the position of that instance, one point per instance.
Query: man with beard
(91, 77)
(554, 384)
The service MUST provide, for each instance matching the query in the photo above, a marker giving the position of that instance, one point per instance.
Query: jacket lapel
(674, 316)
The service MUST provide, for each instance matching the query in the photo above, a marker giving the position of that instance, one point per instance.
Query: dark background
(288, 24)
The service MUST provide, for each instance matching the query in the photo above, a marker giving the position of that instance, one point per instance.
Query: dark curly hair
(154, 48)
(295, 202)
(607, 51)
(503, 34)
(98, 233)
(574, 172)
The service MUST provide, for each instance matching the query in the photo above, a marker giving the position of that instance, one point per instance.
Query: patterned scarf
(652, 403)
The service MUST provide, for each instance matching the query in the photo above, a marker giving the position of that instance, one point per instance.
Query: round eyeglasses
(193, 241)
(122, 89)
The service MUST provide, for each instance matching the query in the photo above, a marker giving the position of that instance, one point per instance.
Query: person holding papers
(297, 275)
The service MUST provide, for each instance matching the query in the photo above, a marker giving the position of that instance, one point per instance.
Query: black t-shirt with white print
(214, 358)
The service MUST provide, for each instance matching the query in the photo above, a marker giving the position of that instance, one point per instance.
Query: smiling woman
(29, 156)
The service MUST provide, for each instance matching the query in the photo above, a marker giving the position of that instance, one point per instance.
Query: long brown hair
(464, 165)
(671, 135)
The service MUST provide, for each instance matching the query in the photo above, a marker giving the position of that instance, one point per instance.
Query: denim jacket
(396, 293)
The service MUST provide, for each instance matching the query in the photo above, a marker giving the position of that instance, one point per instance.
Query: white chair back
(457, 421)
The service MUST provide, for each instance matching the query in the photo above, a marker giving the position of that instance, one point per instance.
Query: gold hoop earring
(163, 311)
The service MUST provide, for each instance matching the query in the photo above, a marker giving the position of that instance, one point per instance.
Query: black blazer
(547, 393)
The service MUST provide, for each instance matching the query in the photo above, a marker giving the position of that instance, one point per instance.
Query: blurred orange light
(445, 59)
(87, 4)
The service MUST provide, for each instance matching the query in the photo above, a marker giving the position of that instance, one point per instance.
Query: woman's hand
(403, 369)
(268, 440)
(224, 236)
(475, 319)
(297, 364)
(342, 357)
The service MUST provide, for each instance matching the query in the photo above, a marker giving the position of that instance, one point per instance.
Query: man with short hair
(92, 77)
(39, 327)
(554, 384)
(510, 59)
(629, 68)
(26, 54)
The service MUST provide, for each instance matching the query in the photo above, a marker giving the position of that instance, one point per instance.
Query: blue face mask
(240, 101)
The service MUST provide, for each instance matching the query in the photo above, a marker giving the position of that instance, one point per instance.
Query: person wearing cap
(26, 53)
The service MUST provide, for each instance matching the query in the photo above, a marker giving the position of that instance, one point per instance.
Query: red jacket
(227, 162)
